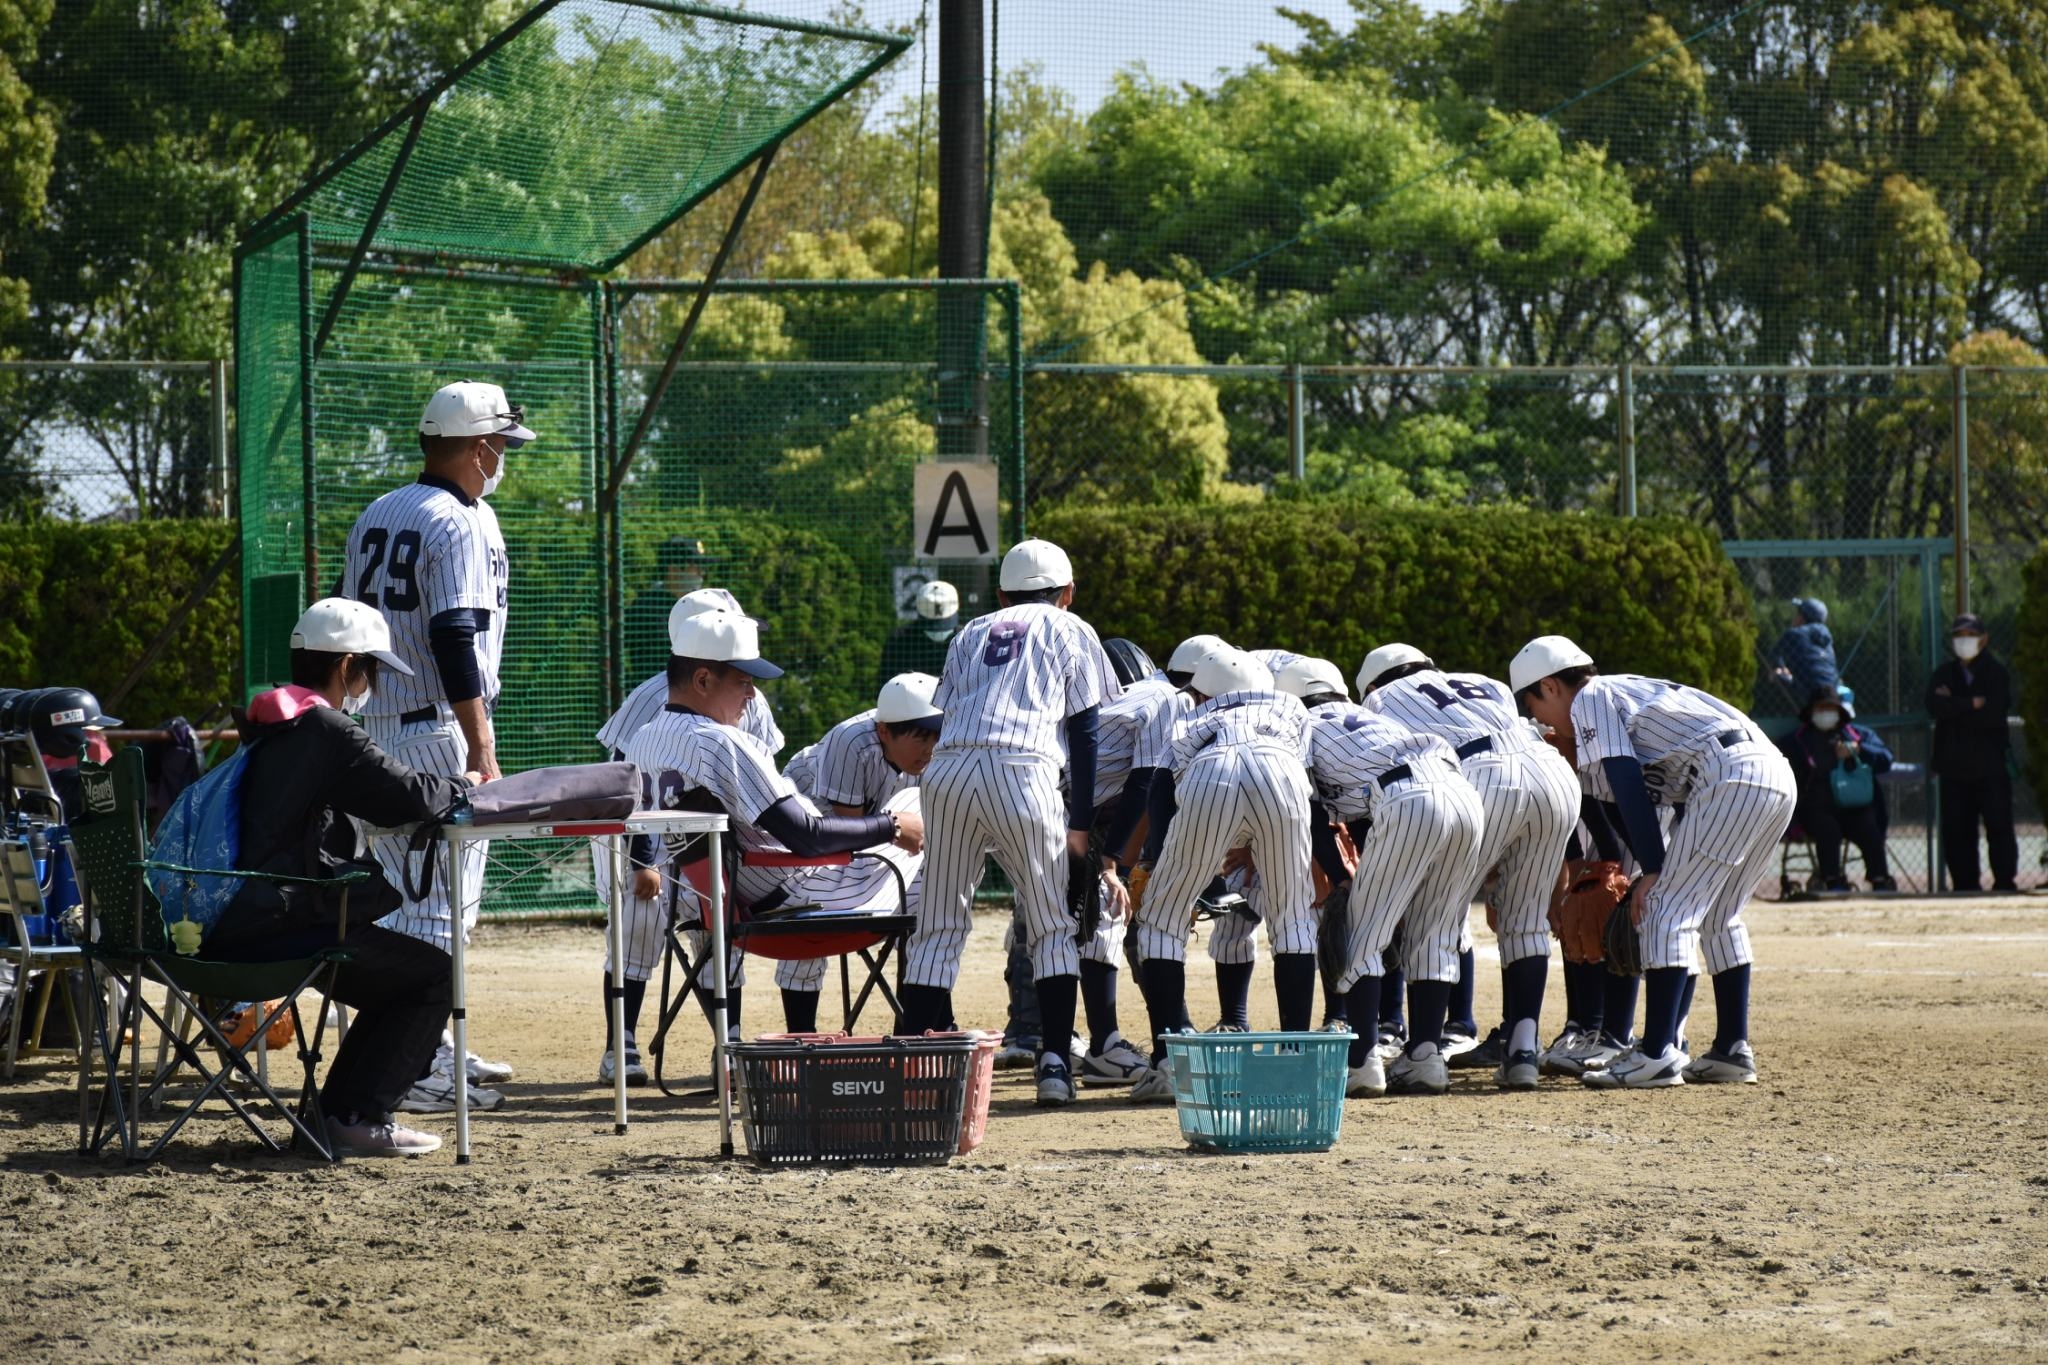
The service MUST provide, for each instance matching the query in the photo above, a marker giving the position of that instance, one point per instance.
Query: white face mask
(491, 481)
(1967, 647)
(1826, 720)
(938, 634)
(354, 703)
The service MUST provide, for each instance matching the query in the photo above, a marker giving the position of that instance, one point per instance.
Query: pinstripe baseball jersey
(414, 553)
(1251, 720)
(1351, 749)
(1155, 741)
(644, 703)
(1460, 707)
(1118, 729)
(1013, 677)
(846, 767)
(1667, 727)
(679, 751)
(1274, 659)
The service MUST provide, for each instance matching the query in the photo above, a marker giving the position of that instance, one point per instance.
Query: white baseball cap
(937, 601)
(697, 603)
(341, 625)
(1231, 670)
(470, 408)
(1385, 659)
(907, 697)
(1543, 656)
(1033, 565)
(1192, 651)
(1305, 677)
(722, 637)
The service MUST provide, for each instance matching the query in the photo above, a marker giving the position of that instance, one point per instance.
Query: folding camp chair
(126, 941)
(787, 933)
(31, 950)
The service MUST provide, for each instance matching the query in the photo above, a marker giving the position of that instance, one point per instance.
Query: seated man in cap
(311, 774)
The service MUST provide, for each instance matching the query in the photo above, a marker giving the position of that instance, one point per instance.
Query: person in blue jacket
(1827, 739)
(1804, 657)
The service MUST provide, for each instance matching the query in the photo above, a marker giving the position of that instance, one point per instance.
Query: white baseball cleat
(435, 1094)
(1737, 1066)
(1578, 1051)
(1368, 1081)
(481, 1072)
(1429, 1075)
(1117, 1064)
(636, 1070)
(1633, 1070)
(1055, 1085)
(1014, 1056)
(1518, 1071)
(1154, 1087)
(1455, 1045)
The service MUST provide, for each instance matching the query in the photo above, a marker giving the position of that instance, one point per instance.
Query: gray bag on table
(577, 791)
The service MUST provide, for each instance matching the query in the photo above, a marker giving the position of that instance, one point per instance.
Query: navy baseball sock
(1619, 1006)
(1166, 997)
(635, 993)
(1234, 992)
(1098, 1001)
(1585, 994)
(800, 1010)
(1523, 981)
(1458, 1011)
(1362, 1001)
(1294, 989)
(1731, 1007)
(1663, 992)
(1427, 1002)
(732, 1006)
(1393, 992)
(926, 1007)
(1692, 982)
(1056, 995)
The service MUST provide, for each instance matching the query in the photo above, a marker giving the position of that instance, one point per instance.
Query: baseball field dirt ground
(1881, 1195)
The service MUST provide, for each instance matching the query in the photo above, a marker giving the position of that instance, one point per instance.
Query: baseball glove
(1579, 919)
(1084, 894)
(1333, 940)
(1141, 877)
(1624, 943)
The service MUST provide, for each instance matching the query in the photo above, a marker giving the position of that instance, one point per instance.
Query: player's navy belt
(1728, 739)
(415, 717)
(1400, 772)
(1475, 746)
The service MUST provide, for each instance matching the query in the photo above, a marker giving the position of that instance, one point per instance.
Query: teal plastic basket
(1259, 1092)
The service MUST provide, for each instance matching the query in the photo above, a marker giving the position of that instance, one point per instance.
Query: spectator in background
(1969, 696)
(1804, 657)
(919, 646)
(1828, 741)
(682, 562)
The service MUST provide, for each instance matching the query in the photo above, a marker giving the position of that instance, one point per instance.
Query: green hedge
(2030, 664)
(79, 604)
(1469, 585)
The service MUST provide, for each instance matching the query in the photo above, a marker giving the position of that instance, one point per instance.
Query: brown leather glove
(1579, 918)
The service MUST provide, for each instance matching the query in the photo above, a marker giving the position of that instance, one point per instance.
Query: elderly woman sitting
(1837, 762)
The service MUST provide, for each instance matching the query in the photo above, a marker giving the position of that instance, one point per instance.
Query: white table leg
(460, 1011)
(615, 915)
(719, 1025)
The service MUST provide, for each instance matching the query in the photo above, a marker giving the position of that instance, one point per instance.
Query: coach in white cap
(429, 557)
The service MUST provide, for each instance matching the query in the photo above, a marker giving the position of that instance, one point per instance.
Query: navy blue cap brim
(756, 668)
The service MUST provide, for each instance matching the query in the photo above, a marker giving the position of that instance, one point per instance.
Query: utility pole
(963, 231)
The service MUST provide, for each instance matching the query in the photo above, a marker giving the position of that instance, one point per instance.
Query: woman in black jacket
(309, 769)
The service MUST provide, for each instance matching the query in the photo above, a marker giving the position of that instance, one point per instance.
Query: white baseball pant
(1228, 798)
(1004, 802)
(1416, 868)
(1233, 939)
(1530, 801)
(1739, 810)
(863, 884)
(433, 746)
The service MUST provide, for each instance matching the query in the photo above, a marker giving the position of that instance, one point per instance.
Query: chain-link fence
(113, 441)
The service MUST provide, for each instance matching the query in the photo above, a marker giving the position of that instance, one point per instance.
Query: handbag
(1854, 787)
(577, 791)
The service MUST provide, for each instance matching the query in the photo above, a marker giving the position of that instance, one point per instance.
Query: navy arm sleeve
(1160, 808)
(1081, 769)
(1638, 815)
(1130, 808)
(452, 638)
(1323, 841)
(809, 835)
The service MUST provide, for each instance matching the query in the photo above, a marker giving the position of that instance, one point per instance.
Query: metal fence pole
(1625, 401)
(217, 376)
(1959, 384)
(1297, 423)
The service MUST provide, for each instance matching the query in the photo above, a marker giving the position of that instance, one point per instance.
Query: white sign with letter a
(957, 512)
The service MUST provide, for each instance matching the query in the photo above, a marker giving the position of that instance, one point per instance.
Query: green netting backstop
(471, 237)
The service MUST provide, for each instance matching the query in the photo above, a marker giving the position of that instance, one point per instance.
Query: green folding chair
(128, 945)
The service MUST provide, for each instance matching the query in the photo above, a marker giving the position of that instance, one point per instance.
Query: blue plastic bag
(202, 828)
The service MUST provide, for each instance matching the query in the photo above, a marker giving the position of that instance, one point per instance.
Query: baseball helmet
(1543, 656)
(1131, 662)
(938, 601)
(1180, 666)
(60, 716)
(1385, 660)
(1035, 565)
(1305, 677)
(908, 697)
(7, 696)
(1230, 670)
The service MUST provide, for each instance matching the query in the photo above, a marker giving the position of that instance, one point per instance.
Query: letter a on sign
(957, 513)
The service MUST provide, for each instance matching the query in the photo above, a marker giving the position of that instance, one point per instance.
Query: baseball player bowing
(1417, 867)
(694, 755)
(429, 557)
(1530, 800)
(860, 767)
(1015, 681)
(1650, 740)
(1237, 780)
(645, 917)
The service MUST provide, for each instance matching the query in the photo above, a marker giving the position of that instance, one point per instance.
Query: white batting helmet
(1230, 670)
(1383, 660)
(1305, 677)
(1192, 651)
(1543, 656)
(905, 697)
(937, 601)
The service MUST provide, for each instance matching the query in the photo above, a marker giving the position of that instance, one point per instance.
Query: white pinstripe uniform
(414, 553)
(1738, 792)
(1526, 789)
(1012, 678)
(644, 917)
(1119, 728)
(1240, 781)
(1419, 860)
(679, 751)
